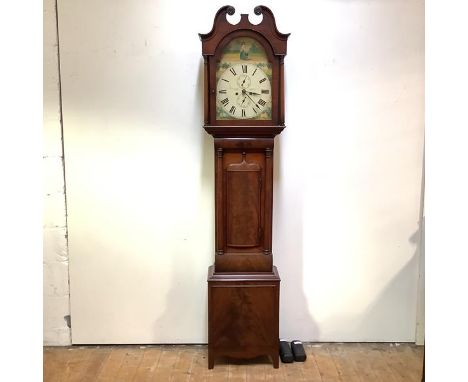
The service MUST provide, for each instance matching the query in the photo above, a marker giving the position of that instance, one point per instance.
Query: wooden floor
(325, 363)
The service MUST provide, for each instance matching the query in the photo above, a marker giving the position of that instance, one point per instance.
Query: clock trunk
(244, 199)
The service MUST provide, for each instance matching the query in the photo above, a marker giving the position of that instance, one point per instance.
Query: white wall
(139, 169)
(347, 197)
(55, 275)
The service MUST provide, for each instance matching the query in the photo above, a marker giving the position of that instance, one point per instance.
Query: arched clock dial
(243, 91)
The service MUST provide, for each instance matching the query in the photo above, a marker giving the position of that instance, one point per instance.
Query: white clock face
(243, 91)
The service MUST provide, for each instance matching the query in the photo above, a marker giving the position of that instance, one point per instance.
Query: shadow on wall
(380, 309)
(185, 274)
(380, 321)
(390, 315)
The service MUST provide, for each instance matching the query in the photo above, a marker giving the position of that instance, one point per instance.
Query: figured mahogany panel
(243, 315)
(243, 204)
(244, 200)
(240, 311)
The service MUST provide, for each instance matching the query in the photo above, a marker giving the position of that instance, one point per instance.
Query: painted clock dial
(243, 77)
(243, 91)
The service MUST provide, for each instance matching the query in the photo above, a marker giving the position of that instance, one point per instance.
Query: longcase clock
(243, 111)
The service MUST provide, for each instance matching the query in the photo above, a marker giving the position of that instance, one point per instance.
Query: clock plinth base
(243, 315)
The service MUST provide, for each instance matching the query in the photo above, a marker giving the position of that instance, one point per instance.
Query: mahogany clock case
(243, 284)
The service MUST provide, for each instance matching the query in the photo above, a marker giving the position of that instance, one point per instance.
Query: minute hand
(249, 97)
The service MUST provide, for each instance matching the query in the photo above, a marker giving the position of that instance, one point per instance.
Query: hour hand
(245, 92)
(253, 93)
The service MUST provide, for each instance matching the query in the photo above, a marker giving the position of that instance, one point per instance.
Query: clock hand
(245, 92)
(253, 93)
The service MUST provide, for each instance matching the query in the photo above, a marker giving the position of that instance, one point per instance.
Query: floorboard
(326, 362)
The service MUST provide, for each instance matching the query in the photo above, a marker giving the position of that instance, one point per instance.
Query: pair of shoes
(295, 352)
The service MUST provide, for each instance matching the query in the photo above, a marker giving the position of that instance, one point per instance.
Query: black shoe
(285, 352)
(298, 351)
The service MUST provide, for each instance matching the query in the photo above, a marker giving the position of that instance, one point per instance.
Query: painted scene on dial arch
(243, 50)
